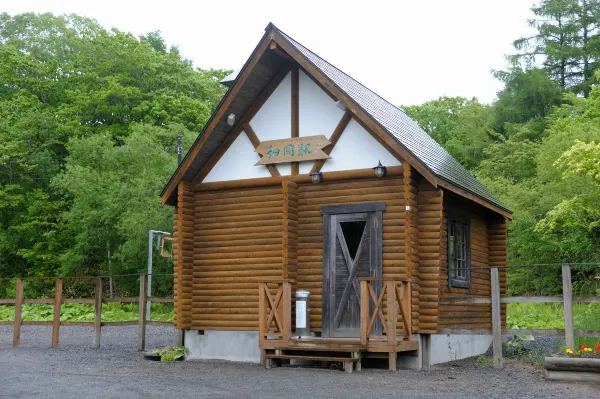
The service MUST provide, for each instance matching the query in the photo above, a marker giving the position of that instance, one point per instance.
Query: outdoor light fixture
(317, 177)
(340, 105)
(231, 119)
(379, 170)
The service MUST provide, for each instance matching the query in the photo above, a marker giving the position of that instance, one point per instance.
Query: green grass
(586, 316)
(79, 312)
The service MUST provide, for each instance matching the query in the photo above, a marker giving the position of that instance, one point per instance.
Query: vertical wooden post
(97, 313)
(364, 311)
(56, 317)
(496, 318)
(261, 313)
(391, 322)
(142, 312)
(568, 307)
(406, 301)
(287, 310)
(18, 314)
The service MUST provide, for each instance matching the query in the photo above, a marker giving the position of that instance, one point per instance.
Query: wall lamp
(317, 177)
(379, 170)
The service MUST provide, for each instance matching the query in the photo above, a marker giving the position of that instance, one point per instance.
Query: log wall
(485, 229)
(430, 201)
(310, 230)
(238, 241)
(183, 252)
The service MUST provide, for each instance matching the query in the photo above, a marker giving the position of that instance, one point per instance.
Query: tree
(461, 126)
(73, 91)
(556, 39)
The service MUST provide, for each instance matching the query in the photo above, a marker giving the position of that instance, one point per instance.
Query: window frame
(454, 220)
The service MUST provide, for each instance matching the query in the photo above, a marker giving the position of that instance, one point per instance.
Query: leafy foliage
(89, 120)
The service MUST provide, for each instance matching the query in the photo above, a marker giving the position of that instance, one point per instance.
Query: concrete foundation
(444, 348)
(238, 346)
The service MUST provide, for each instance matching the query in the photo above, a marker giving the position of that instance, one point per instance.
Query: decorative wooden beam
(354, 108)
(335, 136)
(392, 171)
(254, 108)
(295, 112)
(256, 142)
(217, 116)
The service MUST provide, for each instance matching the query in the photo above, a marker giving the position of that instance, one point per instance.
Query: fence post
(568, 307)
(18, 314)
(56, 317)
(142, 312)
(496, 318)
(98, 313)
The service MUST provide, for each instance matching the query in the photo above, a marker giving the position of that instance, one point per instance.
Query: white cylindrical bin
(302, 313)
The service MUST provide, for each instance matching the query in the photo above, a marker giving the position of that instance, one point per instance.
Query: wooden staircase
(351, 360)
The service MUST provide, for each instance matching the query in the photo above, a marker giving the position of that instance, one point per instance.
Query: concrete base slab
(444, 348)
(238, 346)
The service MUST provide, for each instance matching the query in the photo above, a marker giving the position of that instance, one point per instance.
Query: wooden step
(315, 358)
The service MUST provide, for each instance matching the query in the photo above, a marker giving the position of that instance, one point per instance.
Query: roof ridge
(333, 66)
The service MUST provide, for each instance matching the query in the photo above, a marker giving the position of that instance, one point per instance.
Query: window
(459, 252)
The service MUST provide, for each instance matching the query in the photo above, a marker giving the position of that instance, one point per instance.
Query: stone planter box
(572, 369)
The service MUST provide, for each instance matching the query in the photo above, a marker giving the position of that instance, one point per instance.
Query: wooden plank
(7, 301)
(496, 318)
(142, 312)
(568, 307)
(295, 112)
(97, 313)
(364, 311)
(120, 323)
(56, 316)
(18, 313)
(312, 357)
(261, 313)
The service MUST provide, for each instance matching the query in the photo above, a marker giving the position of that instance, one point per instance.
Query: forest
(89, 120)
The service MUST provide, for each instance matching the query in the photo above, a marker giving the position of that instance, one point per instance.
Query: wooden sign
(295, 149)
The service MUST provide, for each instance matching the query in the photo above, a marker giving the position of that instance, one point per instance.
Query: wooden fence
(496, 301)
(142, 299)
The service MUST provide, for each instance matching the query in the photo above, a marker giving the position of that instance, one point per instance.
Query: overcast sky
(407, 51)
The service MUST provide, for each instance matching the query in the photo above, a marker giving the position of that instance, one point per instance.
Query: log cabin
(306, 183)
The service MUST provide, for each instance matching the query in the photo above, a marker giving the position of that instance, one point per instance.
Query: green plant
(483, 360)
(170, 353)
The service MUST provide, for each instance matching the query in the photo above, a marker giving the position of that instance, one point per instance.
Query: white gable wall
(357, 149)
(238, 163)
(318, 112)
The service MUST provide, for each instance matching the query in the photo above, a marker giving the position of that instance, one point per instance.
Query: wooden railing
(397, 295)
(97, 301)
(274, 311)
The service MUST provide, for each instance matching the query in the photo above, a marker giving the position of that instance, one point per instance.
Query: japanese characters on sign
(296, 149)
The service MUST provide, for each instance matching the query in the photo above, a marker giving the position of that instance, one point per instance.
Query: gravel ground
(117, 370)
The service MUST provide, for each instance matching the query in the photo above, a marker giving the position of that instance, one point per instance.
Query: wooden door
(352, 249)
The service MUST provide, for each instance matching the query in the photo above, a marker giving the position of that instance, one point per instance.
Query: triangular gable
(378, 121)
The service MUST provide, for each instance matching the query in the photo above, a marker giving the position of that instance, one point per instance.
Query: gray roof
(400, 126)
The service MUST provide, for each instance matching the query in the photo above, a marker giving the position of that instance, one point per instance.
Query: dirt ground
(117, 370)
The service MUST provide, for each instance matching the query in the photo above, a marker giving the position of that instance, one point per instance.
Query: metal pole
(150, 247)
(151, 234)
(179, 149)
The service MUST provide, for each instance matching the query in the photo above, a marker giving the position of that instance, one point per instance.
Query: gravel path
(117, 370)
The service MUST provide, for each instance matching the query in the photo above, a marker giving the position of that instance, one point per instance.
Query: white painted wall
(237, 346)
(318, 112)
(238, 163)
(357, 149)
(274, 119)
